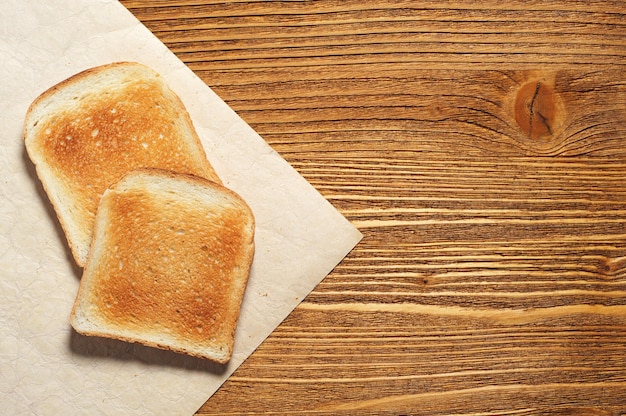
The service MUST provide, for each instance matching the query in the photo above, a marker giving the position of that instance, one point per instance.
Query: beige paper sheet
(46, 368)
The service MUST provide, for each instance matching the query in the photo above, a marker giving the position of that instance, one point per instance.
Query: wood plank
(479, 146)
(272, 35)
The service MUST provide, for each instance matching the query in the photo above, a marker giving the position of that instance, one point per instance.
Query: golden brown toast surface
(169, 264)
(88, 131)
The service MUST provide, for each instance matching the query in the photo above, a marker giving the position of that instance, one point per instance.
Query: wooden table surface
(480, 146)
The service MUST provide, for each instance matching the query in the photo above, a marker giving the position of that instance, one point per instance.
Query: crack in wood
(531, 110)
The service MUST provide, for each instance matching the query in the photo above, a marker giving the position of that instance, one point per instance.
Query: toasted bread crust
(169, 264)
(86, 132)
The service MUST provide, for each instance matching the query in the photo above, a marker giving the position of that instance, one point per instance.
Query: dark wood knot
(536, 108)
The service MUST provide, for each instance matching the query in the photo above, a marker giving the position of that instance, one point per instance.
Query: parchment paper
(45, 367)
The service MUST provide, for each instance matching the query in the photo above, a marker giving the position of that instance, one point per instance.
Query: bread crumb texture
(174, 274)
(126, 126)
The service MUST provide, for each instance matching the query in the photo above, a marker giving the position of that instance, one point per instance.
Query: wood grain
(479, 146)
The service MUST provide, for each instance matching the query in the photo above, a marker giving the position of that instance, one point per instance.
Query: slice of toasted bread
(86, 132)
(168, 266)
